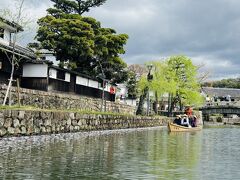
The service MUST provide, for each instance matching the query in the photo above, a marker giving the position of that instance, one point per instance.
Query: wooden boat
(177, 128)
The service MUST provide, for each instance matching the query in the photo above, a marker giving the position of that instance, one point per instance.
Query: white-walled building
(42, 74)
(8, 48)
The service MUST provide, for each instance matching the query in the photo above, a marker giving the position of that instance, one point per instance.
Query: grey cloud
(207, 28)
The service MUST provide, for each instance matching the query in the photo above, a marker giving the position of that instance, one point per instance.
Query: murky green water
(124, 154)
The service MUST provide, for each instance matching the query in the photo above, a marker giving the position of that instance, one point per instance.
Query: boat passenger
(185, 121)
(194, 123)
(190, 120)
(177, 120)
(188, 111)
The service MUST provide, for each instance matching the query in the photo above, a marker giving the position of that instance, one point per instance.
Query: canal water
(150, 153)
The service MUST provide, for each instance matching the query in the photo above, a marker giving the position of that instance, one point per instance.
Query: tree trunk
(173, 102)
(180, 104)
(18, 93)
(141, 101)
(13, 60)
(10, 82)
(155, 107)
(169, 104)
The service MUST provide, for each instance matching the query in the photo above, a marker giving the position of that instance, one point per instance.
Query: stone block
(30, 130)
(7, 113)
(36, 114)
(71, 128)
(76, 128)
(8, 122)
(43, 129)
(14, 114)
(16, 123)
(23, 130)
(57, 129)
(1, 120)
(44, 115)
(74, 122)
(53, 128)
(47, 122)
(79, 122)
(17, 131)
(84, 122)
(37, 122)
(10, 130)
(63, 122)
(78, 116)
(72, 115)
(69, 122)
(28, 115)
(3, 131)
(48, 129)
(58, 116)
(21, 115)
(23, 122)
(62, 128)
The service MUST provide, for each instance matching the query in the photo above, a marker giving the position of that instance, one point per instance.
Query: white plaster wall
(122, 90)
(7, 35)
(107, 88)
(53, 73)
(93, 84)
(82, 81)
(2, 41)
(6, 38)
(99, 85)
(67, 77)
(35, 70)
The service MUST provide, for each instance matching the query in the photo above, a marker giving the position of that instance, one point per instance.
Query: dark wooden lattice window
(1, 33)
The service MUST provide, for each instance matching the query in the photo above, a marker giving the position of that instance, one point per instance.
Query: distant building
(221, 96)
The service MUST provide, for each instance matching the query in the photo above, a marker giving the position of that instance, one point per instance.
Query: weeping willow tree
(176, 76)
(187, 90)
(160, 84)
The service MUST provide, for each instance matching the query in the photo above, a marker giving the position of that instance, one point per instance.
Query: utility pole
(102, 76)
(149, 78)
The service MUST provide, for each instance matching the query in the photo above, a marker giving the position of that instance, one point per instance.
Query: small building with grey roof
(214, 94)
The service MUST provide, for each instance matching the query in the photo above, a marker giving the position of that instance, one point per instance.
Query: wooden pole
(18, 92)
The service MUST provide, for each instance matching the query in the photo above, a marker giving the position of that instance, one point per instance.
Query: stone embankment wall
(49, 100)
(234, 120)
(25, 123)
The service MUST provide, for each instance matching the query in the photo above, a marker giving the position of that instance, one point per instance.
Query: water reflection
(125, 154)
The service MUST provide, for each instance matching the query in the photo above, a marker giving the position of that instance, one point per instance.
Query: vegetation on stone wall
(33, 108)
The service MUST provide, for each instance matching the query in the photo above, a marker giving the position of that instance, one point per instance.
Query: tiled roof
(19, 50)
(221, 92)
(11, 24)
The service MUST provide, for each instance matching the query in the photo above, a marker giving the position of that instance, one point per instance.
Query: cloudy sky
(208, 31)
